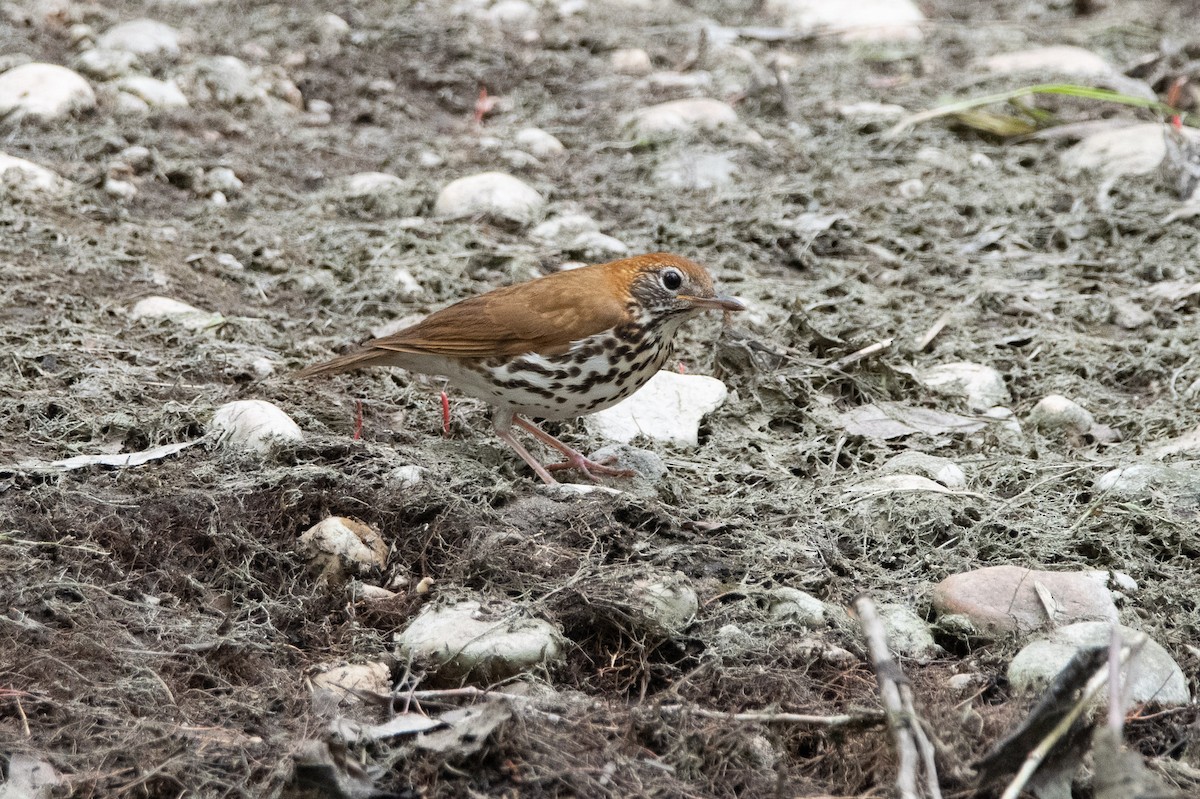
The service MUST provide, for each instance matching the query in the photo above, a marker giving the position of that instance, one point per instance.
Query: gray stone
(468, 640)
(792, 604)
(907, 633)
(1156, 675)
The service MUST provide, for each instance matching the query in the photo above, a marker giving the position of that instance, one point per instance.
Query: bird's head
(664, 285)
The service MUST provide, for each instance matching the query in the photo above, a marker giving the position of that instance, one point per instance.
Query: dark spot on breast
(575, 371)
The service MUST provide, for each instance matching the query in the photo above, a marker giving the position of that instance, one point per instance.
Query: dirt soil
(160, 625)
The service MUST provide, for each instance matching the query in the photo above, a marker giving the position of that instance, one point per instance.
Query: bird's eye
(671, 279)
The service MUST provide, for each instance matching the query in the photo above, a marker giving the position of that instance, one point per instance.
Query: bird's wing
(544, 316)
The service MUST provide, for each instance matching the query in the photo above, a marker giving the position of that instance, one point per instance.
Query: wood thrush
(556, 347)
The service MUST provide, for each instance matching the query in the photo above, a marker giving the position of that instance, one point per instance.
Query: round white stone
(490, 194)
(103, 64)
(28, 175)
(338, 545)
(1056, 412)
(465, 638)
(367, 184)
(188, 316)
(156, 93)
(862, 20)
(253, 425)
(681, 116)
(45, 91)
(538, 142)
(141, 36)
(631, 62)
(669, 604)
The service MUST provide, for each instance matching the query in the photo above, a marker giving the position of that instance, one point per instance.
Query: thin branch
(865, 719)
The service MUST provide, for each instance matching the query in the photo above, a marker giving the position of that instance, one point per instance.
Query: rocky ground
(965, 388)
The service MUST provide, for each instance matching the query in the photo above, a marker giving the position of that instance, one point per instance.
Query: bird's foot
(590, 468)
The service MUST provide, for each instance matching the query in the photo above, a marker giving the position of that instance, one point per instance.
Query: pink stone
(1004, 599)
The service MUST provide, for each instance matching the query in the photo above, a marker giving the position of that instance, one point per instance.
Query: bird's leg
(502, 424)
(574, 459)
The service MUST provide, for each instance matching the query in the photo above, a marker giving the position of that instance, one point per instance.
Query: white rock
(143, 37)
(1149, 479)
(331, 27)
(45, 91)
(218, 198)
(1156, 675)
(222, 79)
(27, 175)
(254, 425)
(128, 105)
(669, 408)
(465, 640)
(681, 116)
(862, 20)
(365, 184)
(943, 470)
(982, 386)
(1055, 412)
(375, 678)
(139, 158)
(188, 316)
(490, 194)
(696, 172)
(907, 633)
(263, 366)
(511, 14)
(223, 179)
(338, 547)
(792, 604)
(633, 61)
(407, 284)
(538, 142)
(1131, 150)
(675, 81)
(911, 189)
(120, 189)
(156, 93)
(668, 604)
(406, 476)
(104, 64)
(564, 227)
(596, 247)
(1057, 59)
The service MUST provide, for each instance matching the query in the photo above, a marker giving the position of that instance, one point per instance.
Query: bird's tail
(367, 356)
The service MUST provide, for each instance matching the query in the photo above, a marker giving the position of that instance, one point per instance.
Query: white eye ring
(671, 279)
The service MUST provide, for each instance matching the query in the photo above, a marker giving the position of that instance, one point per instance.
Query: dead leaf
(469, 728)
(888, 420)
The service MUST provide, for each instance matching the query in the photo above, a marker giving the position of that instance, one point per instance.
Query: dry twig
(913, 749)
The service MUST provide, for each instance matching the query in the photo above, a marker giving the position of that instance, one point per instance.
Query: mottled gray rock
(1156, 675)
(468, 640)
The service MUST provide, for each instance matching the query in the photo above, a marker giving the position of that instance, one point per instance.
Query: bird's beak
(714, 303)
